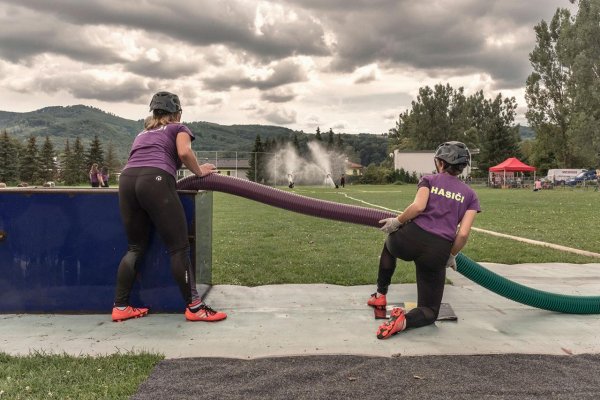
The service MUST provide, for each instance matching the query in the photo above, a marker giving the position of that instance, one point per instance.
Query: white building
(419, 162)
(236, 167)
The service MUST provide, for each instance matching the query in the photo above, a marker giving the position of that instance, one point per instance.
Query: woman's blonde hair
(160, 118)
(94, 168)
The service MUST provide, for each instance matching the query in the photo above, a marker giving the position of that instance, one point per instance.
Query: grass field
(255, 244)
(47, 376)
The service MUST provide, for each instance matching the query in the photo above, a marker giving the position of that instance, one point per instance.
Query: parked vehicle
(559, 176)
(583, 177)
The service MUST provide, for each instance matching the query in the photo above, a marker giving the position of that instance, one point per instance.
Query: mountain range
(62, 123)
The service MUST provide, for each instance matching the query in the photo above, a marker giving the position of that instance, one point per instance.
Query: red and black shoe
(377, 300)
(129, 312)
(395, 324)
(204, 313)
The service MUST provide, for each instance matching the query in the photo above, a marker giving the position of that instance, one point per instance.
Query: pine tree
(111, 161)
(28, 168)
(296, 143)
(318, 135)
(71, 168)
(9, 153)
(339, 142)
(255, 163)
(47, 161)
(95, 154)
(80, 164)
(330, 141)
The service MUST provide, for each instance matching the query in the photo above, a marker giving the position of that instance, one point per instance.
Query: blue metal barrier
(60, 249)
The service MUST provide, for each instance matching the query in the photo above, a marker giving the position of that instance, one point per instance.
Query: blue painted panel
(61, 251)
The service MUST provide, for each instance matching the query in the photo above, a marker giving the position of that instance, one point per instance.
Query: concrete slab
(284, 320)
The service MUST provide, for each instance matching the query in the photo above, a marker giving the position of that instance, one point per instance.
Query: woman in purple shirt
(95, 176)
(430, 232)
(148, 196)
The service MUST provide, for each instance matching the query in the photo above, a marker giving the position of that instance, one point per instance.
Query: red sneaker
(205, 313)
(395, 324)
(377, 300)
(127, 313)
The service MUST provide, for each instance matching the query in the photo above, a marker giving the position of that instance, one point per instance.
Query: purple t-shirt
(157, 148)
(449, 200)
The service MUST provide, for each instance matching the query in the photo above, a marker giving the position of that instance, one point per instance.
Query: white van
(561, 175)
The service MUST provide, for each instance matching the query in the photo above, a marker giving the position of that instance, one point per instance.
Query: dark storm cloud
(87, 87)
(165, 68)
(280, 116)
(278, 95)
(215, 102)
(198, 23)
(283, 73)
(376, 101)
(451, 37)
(439, 38)
(25, 35)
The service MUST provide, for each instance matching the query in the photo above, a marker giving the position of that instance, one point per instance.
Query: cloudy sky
(350, 65)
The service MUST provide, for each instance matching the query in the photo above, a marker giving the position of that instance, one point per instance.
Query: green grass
(45, 376)
(256, 244)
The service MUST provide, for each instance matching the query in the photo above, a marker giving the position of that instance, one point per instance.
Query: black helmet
(453, 153)
(165, 101)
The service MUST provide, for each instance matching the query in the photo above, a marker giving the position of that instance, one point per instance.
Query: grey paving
(291, 320)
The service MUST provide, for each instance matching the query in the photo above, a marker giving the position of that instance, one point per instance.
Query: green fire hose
(523, 294)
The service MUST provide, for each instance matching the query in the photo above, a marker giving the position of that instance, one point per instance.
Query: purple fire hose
(286, 200)
(371, 217)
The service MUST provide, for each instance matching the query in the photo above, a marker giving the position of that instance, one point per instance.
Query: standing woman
(95, 176)
(431, 231)
(148, 196)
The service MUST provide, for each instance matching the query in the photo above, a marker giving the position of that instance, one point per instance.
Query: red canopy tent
(511, 164)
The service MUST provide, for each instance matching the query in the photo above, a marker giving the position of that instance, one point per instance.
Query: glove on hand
(451, 263)
(390, 225)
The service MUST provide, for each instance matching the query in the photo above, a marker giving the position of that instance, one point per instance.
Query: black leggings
(148, 196)
(430, 254)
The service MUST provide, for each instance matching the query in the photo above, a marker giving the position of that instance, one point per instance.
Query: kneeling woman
(430, 232)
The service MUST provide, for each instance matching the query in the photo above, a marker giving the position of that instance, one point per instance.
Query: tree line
(562, 95)
(33, 164)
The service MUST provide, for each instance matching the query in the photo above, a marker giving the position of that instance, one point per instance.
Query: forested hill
(526, 133)
(61, 123)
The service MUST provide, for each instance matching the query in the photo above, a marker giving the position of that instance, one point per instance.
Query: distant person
(598, 178)
(343, 181)
(537, 185)
(105, 175)
(148, 197)
(430, 232)
(95, 176)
